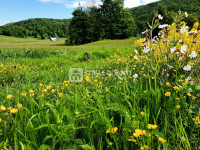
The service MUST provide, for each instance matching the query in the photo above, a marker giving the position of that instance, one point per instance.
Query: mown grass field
(129, 103)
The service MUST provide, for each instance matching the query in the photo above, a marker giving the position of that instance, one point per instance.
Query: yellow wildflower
(45, 90)
(42, 95)
(112, 130)
(13, 110)
(23, 94)
(188, 94)
(32, 94)
(19, 105)
(178, 106)
(2, 108)
(142, 113)
(151, 126)
(49, 87)
(31, 91)
(110, 144)
(53, 91)
(193, 97)
(197, 120)
(176, 88)
(87, 78)
(168, 94)
(60, 94)
(9, 96)
(161, 140)
(132, 140)
(168, 84)
(9, 108)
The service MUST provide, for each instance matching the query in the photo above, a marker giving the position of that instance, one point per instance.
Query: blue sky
(16, 10)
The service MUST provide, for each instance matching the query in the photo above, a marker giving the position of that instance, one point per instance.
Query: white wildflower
(135, 76)
(183, 49)
(135, 57)
(146, 49)
(184, 29)
(145, 31)
(187, 68)
(193, 55)
(192, 32)
(181, 58)
(163, 26)
(160, 17)
(172, 50)
(186, 14)
(188, 79)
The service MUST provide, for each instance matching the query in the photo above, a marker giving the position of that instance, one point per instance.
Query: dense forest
(39, 28)
(109, 21)
(166, 8)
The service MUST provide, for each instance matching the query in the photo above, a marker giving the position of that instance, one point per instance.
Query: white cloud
(135, 3)
(52, 1)
(4, 22)
(85, 3)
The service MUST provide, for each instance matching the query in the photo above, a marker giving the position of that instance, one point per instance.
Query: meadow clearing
(147, 97)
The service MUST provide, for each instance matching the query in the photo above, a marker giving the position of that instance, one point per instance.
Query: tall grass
(102, 112)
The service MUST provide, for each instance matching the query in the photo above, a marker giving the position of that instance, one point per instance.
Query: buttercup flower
(60, 94)
(178, 106)
(9, 96)
(188, 94)
(49, 87)
(14, 110)
(112, 130)
(19, 105)
(161, 140)
(168, 94)
(142, 113)
(2, 108)
(176, 88)
(53, 91)
(151, 126)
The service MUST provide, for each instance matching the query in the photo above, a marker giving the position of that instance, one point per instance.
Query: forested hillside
(144, 13)
(44, 28)
(39, 28)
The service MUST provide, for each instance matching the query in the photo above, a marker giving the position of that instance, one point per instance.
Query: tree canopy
(109, 21)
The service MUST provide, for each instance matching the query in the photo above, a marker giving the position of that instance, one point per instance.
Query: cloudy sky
(16, 10)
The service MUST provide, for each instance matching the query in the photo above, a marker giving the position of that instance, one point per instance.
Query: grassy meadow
(134, 101)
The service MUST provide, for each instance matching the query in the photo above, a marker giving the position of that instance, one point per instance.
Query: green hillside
(143, 14)
(39, 28)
